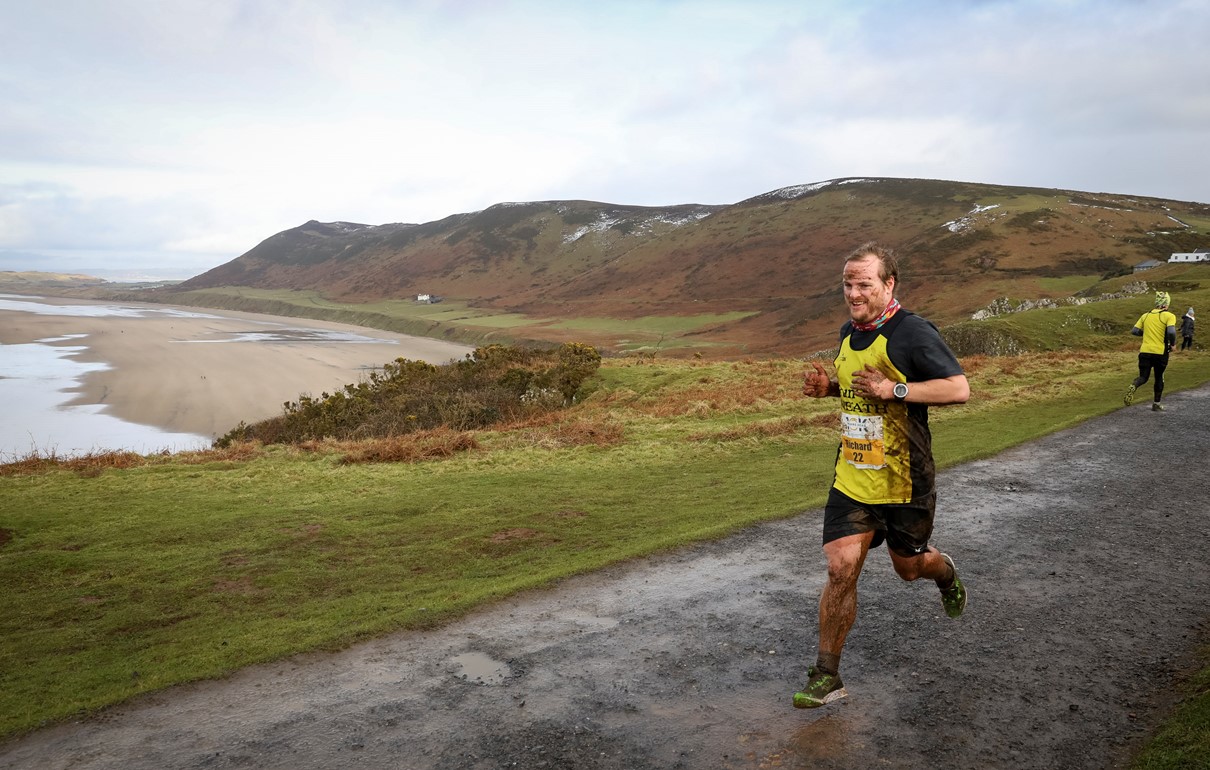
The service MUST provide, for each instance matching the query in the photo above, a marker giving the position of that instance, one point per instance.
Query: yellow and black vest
(885, 454)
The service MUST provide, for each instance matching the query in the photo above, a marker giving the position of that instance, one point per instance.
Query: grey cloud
(56, 218)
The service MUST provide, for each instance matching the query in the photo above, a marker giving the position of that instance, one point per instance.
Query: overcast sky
(178, 134)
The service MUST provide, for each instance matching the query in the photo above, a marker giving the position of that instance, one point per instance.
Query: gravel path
(1085, 557)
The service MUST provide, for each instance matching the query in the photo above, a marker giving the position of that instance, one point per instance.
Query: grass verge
(1184, 740)
(133, 576)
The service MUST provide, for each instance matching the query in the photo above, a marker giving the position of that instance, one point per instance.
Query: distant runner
(1157, 327)
(891, 367)
(1187, 323)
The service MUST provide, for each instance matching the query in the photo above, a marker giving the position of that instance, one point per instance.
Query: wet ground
(1084, 554)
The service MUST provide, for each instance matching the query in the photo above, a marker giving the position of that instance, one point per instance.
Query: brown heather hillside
(776, 256)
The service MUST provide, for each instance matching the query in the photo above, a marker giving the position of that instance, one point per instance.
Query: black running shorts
(906, 528)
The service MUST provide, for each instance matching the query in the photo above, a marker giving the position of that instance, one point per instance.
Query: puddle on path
(477, 667)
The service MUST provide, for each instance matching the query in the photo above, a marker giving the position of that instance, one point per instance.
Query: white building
(1201, 255)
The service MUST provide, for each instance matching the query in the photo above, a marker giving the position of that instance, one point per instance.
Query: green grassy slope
(112, 592)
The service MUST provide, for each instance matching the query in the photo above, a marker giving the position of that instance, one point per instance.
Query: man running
(1157, 327)
(891, 367)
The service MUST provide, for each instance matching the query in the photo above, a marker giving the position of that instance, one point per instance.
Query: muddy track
(1085, 557)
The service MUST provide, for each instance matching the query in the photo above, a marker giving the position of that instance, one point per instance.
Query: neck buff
(877, 323)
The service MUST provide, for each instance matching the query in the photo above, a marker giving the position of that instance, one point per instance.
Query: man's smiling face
(865, 293)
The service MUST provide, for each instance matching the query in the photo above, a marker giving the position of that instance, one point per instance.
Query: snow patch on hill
(797, 191)
(965, 223)
(605, 222)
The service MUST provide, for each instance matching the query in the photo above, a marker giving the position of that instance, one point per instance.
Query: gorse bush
(495, 383)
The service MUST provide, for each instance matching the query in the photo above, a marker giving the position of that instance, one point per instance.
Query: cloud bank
(176, 135)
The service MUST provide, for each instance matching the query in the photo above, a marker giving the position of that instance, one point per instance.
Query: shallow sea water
(38, 379)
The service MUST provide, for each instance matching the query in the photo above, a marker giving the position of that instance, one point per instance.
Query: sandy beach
(204, 371)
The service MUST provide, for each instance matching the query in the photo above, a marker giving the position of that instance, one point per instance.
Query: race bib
(861, 441)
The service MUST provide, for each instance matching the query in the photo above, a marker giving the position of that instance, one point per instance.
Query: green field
(454, 319)
(177, 568)
(657, 325)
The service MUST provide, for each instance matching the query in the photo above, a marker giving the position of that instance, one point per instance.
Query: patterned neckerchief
(877, 323)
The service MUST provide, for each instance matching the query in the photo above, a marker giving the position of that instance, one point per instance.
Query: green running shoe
(1129, 399)
(953, 598)
(820, 690)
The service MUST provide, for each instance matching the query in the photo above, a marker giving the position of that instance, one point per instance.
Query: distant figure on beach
(1187, 330)
(1157, 327)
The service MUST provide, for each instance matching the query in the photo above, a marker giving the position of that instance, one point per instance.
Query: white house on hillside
(1201, 255)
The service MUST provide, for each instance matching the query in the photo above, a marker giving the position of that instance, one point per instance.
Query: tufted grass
(125, 575)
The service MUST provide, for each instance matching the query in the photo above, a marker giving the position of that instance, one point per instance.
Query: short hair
(888, 262)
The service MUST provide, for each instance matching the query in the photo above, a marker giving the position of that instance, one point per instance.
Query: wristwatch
(900, 391)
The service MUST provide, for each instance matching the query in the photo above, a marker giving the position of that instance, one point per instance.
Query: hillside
(27, 281)
(756, 277)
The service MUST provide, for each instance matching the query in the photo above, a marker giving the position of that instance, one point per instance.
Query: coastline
(204, 371)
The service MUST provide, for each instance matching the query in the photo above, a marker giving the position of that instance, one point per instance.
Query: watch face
(901, 390)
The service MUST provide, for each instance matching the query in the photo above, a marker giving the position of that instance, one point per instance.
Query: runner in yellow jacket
(1157, 327)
